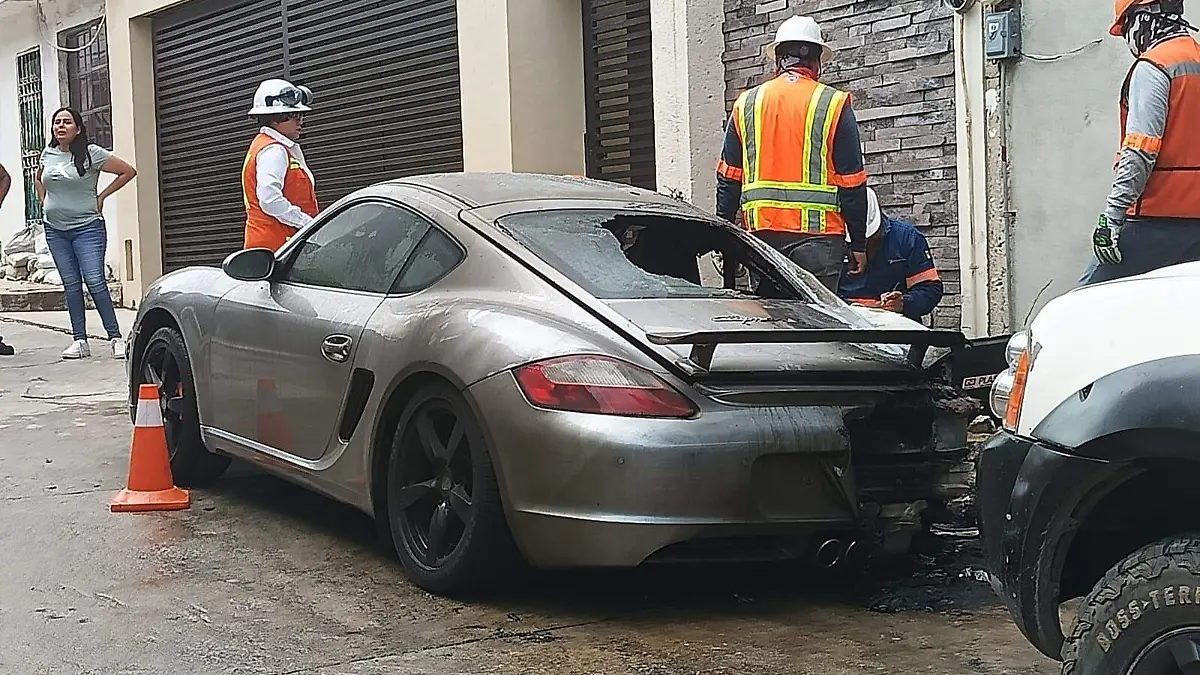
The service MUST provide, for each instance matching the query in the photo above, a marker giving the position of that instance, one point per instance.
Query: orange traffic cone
(272, 426)
(150, 486)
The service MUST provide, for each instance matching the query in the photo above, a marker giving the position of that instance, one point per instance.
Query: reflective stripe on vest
(1173, 190)
(814, 195)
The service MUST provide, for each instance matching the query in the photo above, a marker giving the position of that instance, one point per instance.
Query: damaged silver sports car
(513, 371)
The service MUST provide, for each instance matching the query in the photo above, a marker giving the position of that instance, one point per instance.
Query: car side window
(362, 248)
(434, 258)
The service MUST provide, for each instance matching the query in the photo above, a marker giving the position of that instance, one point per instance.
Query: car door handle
(336, 348)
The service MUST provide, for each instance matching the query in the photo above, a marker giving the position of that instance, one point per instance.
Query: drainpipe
(972, 168)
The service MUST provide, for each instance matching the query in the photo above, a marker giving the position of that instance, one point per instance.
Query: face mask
(1144, 29)
(1132, 43)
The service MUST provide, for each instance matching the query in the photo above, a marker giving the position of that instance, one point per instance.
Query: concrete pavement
(262, 577)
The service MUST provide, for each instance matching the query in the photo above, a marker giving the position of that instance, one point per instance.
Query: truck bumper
(1027, 493)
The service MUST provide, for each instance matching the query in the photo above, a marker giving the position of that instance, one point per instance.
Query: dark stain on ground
(937, 576)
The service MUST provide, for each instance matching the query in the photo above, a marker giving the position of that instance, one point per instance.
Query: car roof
(487, 189)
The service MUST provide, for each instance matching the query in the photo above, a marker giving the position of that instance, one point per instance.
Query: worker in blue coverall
(900, 276)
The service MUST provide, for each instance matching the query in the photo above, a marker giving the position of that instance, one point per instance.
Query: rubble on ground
(26, 257)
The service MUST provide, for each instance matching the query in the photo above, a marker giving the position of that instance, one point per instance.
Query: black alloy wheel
(1176, 653)
(436, 496)
(161, 368)
(442, 505)
(165, 363)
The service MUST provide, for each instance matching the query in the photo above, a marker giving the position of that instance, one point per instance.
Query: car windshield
(617, 255)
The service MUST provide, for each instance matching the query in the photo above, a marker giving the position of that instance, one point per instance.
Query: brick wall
(897, 60)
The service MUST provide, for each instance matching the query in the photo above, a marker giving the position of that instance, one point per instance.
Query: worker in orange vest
(1152, 219)
(792, 161)
(278, 188)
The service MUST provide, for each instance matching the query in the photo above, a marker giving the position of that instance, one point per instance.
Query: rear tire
(444, 512)
(1143, 617)
(165, 363)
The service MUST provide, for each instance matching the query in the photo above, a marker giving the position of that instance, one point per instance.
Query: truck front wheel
(1144, 617)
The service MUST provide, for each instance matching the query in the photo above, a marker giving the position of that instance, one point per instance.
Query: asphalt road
(261, 577)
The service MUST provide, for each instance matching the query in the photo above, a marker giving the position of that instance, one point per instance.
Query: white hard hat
(275, 97)
(800, 29)
(874, 217)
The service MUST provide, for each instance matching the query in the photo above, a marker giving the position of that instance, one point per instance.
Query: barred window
(33, 127)
(88, 86)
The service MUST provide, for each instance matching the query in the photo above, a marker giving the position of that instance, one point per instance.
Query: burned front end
(909, 456)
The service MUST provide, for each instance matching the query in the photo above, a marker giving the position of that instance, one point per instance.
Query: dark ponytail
(79, 146)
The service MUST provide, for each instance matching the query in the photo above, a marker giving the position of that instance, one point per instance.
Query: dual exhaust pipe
(833, 552)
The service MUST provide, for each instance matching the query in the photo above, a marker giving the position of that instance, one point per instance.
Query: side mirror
(252, 264)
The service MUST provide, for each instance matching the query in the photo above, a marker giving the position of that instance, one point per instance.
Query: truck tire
(1145, 605)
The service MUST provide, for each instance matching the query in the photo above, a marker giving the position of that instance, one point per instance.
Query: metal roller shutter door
(385, 75)
(620, 93)
(386, 80)
(208, 59)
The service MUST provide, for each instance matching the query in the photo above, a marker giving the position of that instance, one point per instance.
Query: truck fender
(1155, 399)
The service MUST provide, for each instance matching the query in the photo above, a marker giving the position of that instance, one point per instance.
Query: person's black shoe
(5, 349)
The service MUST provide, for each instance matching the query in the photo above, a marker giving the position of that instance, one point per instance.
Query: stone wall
(897, 60)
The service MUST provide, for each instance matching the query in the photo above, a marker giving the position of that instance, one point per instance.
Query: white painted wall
(689, 96)
(20, 31)
(971, 170)
(522, 85)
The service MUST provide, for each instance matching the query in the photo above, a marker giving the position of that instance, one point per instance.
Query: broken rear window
(617, 256)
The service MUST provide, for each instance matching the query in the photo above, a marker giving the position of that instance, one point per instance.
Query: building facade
(1002, 164)
(53, 54)
(897, 61)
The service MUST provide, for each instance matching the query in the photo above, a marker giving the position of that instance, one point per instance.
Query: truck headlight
(1016, 344)
(1011, 382)
(1001, 392)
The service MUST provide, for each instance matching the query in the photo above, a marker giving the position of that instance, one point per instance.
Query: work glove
(1106, 241)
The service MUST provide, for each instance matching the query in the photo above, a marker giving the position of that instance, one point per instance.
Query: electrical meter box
(1002, 34)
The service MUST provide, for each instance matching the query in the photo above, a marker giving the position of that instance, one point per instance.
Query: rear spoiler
(704, 343)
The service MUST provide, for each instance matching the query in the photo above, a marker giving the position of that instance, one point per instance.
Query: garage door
(207, 65)
(620, 92)
(385, 75)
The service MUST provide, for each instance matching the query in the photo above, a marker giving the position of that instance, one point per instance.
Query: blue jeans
(79, 256)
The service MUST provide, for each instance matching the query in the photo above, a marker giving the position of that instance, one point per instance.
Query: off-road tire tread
(492, 562)
(194, 465)
(1143, 566)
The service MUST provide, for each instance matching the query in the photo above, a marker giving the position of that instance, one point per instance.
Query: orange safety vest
(789, 182)
(263, 230)
(1173, 190)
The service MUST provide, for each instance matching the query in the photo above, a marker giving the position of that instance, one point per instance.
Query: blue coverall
(902, 263)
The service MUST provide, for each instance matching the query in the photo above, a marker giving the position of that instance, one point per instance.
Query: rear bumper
(734, 483)
(1027, 493)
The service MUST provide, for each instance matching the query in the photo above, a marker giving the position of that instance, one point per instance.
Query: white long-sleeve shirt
(273, 163)
(1145, 126)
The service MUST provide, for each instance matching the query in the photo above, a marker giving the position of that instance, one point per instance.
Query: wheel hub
(1177, 652)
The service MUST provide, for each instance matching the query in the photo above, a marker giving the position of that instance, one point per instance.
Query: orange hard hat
(1122, 8)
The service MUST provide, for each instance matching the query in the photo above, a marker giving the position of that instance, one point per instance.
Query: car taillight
(1017, 397)
(601, 385)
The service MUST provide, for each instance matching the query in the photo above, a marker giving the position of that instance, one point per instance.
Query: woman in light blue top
(68, 187)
